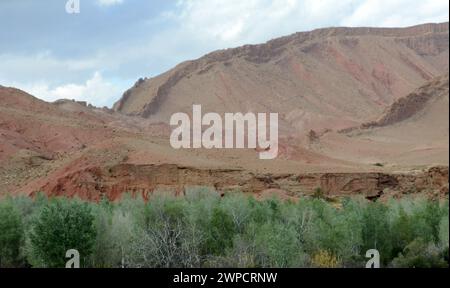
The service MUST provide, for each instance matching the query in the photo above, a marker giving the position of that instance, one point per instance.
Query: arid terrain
(362, 111)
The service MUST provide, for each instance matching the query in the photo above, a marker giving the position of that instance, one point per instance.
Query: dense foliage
(205, 230)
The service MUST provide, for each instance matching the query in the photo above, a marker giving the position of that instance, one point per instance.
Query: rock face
(143, 180)
(325, 79)
(407, 107)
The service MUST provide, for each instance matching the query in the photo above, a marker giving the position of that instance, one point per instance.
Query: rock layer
(95, 183)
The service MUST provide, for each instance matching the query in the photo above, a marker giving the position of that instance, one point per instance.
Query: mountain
(414, 130)
(362, 111)
(332, 78)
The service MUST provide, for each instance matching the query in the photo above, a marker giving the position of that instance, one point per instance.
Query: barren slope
(414, 130)
(325, 79)
(68, 149)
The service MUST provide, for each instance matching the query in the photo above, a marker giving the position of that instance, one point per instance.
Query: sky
(98, 53)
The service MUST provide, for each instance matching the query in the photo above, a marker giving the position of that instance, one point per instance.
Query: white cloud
(95, 90)
(109, 2)
(236, 22)
(398, 13)
(20, 67)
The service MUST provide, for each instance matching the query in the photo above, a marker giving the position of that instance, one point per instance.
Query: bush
(219, 232)
(420, 254)
(443, 232)
(62, 225)
(11, 235)
(376, 232)
(276, 245)
(158, 243)
(426, 216)
(324, 259)
(318, 193)
(402, 231)
(114, 230)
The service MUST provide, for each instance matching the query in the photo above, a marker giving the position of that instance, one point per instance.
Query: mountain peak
(331, 78)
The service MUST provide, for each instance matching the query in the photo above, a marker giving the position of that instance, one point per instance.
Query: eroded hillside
(391, 84)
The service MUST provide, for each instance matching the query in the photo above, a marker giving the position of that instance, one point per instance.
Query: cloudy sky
(97, 54)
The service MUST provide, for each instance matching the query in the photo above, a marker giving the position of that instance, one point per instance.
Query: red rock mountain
(362, 111)
(325, 79)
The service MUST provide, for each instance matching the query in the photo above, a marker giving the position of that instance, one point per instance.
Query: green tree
(158, 241)
(106, 253)
(432, 215)
(11, 235)
(402, 232)
(277, 246)
(376, 230)
(220, 232)
(426, 216)
(62, 225)
(443, 232)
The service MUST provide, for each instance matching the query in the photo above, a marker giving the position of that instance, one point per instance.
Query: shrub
(11, 235)
(376, 230)
(420, 254)
(324, 259)
(62, 225)
(220, 232)
(318, 193)
(426, 216)
(276, 246)
(402, 231)
(114, 230)
(443, 232)
(158, 243)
